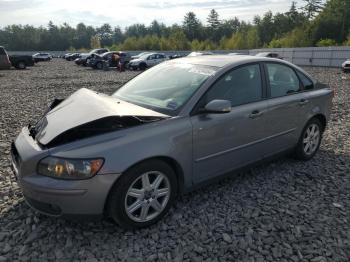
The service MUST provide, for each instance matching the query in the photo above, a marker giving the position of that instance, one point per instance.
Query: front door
(223, 142)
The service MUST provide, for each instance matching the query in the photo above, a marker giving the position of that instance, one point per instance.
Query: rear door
(287, 106)
(223, 142)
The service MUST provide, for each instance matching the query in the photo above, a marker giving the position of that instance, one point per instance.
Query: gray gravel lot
(280, 211)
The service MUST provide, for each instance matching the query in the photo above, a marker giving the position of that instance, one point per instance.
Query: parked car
(81, 60)
(139, 55)
(21, 61)
(73, 56)
(147, 60)
(168, 130)
(346, 66)
(200, 53)
(42, 57)
(65, 55)
(18, 61)
(96, 61)
(269, 54)
(5, 62)
(99, 51)
(85, 57)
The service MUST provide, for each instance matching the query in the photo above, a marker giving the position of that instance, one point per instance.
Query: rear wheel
(143, 194)
(310, 140)
(21, 65)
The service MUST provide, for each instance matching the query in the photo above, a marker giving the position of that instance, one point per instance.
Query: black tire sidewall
(21, 65)
(142, 66)
(299, 152)
(116, 207)
(99, 65)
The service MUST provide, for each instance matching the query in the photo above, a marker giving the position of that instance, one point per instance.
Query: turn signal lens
(69, 168)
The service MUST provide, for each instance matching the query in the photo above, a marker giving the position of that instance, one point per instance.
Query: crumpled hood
(86, 113)
(137, 60)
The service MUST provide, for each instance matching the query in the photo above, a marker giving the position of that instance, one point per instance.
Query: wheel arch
(322, 118)
(168, 160)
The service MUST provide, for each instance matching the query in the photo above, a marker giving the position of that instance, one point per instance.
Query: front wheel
(143, 195)
(99, 65)
(142, 66)
(310, 140)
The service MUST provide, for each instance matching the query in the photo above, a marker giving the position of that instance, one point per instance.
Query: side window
(240, 86)
(283, 80)
(307, 83)
(2, 51)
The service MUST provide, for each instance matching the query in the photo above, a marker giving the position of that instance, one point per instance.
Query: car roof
(266, 53)
(223, 60)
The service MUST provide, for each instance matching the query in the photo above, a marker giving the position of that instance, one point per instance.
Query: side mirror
(217, 107)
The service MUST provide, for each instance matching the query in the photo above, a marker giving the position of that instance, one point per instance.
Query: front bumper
(56, 197)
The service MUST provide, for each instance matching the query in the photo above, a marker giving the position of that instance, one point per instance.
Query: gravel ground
(280, 211)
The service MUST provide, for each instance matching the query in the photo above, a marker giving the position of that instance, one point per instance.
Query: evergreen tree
(312, 7)
(214, 25)
(191, 26)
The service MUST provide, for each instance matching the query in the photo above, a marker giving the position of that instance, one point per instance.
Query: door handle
(255, 114)
(303, 102)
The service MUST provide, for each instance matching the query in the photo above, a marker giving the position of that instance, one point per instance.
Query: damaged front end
(98, 127)
(33, 129)
(86, 114)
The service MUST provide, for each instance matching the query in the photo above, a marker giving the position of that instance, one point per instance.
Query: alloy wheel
(147, 196)
(21, 65)
(311, 139)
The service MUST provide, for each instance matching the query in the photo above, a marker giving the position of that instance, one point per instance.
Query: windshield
(166, 87)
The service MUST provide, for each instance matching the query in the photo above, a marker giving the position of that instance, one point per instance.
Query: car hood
(138, 60)
(87, 113)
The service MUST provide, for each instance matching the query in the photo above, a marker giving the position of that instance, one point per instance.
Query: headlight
(69, 168)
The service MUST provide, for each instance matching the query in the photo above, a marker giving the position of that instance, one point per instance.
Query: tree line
(316, 23)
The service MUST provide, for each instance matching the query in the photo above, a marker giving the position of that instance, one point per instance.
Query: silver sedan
(172, 128)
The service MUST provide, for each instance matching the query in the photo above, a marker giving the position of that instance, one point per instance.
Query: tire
(99, 65)
(21, 65)
(304, 152)
(144, 202)
(142, 66)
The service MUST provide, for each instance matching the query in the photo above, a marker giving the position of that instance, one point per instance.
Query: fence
(305, 56)
(311, 56)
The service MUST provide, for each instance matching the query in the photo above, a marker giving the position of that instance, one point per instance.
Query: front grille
(15, 155)
(347, 66)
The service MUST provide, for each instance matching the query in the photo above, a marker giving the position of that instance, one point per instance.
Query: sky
(124, 13)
